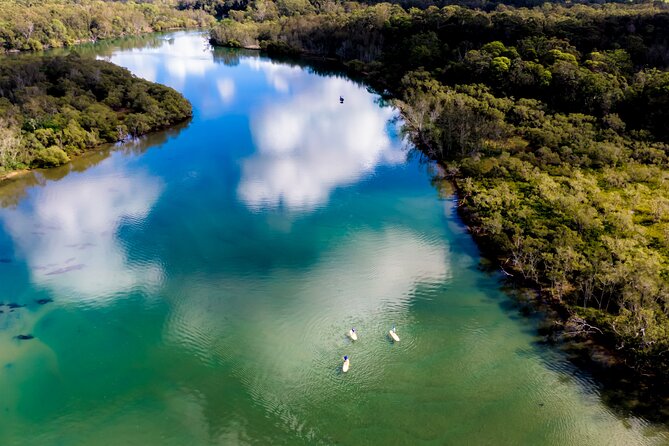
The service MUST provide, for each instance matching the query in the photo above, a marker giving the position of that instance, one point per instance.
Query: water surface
(195, 286)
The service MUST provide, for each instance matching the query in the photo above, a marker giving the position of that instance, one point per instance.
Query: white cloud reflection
(226, 89)
(185, 57)
(67, 234)
(308, 143)
(279, 76)
(285, 339)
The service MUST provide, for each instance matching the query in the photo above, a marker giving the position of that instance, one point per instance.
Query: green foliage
(449, 123)
(50, 157)
(648, 103)
(33, 26)
(217, 8)
(11, 156)
(235, 34)
(57, 107)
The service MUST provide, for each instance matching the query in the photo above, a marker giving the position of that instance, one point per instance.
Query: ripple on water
(197, 326)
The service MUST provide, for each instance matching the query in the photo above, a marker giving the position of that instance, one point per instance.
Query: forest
(27, 25)
(551, 121)
(52, 108)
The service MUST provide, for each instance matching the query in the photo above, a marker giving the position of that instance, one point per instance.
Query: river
(195, 287)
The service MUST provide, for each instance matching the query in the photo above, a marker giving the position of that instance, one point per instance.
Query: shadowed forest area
(552, 122)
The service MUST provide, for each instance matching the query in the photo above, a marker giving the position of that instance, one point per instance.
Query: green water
(203, 280)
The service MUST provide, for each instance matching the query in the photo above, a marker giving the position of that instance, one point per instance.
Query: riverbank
(623, 386)
(57, 107)
(155, 136)
(56, 24)
(6, 176)
(75, 45)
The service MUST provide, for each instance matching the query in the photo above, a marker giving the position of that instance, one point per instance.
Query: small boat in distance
(341, 99)
(353, 334)
(393, 335)
(345, 366)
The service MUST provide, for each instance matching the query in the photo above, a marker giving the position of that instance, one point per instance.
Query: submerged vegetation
(552, 121)
(35, 25)
(52, 108)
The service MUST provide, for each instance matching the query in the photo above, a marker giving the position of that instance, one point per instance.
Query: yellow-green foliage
(35, 25)
(590, 237)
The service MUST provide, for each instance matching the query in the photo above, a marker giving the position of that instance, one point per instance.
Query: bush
(50, 157)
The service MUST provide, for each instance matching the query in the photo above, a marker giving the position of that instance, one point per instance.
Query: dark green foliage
(552, 121)
(56, 107)
(647, 105)
(217, 8)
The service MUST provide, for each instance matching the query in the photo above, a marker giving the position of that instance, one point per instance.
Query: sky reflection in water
(67, 233)
(307, 143)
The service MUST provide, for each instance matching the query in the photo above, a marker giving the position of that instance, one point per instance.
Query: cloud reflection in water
(309, 144)
(297, 330)
(146, 62)
(67, 233)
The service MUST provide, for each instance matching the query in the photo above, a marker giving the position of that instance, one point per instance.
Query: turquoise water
(202, 281)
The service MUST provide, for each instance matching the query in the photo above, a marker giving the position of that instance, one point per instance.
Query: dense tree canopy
(553, 123)
(54, 107)
(35, 25)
